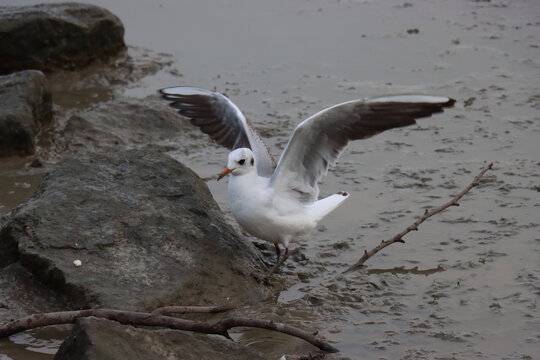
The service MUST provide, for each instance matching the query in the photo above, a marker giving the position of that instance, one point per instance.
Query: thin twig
(414, 226)
(218, 327)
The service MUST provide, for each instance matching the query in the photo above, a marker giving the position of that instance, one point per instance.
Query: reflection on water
(403, 270)
(18, 181)
(270, 342)
(34, 344)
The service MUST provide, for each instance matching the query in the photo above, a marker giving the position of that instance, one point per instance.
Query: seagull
(279, 201)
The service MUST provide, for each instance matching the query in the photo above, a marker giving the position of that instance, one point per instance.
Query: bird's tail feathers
(323, 207)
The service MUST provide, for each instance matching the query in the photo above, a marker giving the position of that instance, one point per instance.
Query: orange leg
(279, 262)
(277, 250)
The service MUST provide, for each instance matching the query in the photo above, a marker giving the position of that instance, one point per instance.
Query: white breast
(265, 216)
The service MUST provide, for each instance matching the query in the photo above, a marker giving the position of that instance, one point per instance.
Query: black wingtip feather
(450, 102)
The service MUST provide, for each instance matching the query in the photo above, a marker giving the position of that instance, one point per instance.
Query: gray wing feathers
(220, 118)
(318, 141)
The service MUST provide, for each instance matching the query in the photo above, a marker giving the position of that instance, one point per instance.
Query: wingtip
(414, 99)
(186, 91)
(166, 93)
(169, 90)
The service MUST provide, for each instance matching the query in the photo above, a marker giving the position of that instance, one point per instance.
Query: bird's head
(241, 161)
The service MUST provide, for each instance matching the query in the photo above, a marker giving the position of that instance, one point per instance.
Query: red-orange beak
(223, 173)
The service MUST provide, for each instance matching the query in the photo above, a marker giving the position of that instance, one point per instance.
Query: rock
(121, 124)
(93, 338)
(25, 105)
(23, 295)
(50, 36)
(145, 227)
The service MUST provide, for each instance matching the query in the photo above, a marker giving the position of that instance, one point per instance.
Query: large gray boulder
(99, 339)
(51, 36)
(145, 228)
(25, 106)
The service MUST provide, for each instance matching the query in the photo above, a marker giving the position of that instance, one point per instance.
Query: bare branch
(414, 226)
(219, 327)
(167, 310)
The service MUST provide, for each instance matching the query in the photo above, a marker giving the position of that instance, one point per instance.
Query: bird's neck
(249, 177)
(244, 183)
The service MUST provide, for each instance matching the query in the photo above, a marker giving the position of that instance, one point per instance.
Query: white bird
(279, 203)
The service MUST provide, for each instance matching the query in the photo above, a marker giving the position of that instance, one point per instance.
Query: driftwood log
(156, 318)
(427, 214)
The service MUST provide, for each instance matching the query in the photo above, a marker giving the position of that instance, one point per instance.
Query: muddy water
(467, 284)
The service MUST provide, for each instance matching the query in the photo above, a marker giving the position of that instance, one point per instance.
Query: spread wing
(318, 141)
(221, 119)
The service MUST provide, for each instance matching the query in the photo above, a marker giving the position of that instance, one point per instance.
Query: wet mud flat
(467, 284)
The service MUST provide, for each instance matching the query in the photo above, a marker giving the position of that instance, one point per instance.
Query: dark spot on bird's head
(252, 161)
(242, 161)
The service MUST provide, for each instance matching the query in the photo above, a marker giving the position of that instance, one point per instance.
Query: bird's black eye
(252, 161)
(242, 161)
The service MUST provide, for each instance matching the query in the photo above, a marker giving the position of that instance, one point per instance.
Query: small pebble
(77, 263)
